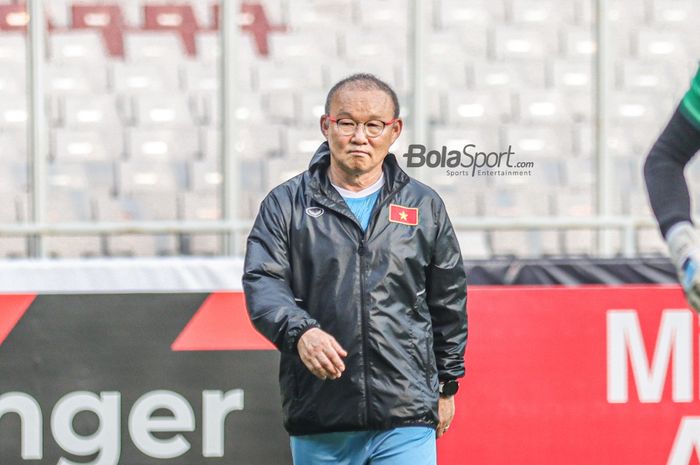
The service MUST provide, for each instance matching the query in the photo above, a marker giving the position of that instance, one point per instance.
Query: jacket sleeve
(663, 171)
(266, 277)
(447, 299)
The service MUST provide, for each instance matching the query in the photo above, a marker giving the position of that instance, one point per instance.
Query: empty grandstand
(119, 138)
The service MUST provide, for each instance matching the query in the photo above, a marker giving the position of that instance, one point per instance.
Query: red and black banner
(555, 375)
(131, 379)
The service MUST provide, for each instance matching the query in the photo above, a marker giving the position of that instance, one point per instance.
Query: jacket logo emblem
(314, 212)
(403, 215)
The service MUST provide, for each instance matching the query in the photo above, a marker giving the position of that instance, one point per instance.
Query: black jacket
(394, 297)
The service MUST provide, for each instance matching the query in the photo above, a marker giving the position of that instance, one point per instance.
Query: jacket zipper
(365, 324)
(365, 316)
(361, 250)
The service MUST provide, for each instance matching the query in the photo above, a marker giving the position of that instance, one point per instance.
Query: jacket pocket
(421, 340)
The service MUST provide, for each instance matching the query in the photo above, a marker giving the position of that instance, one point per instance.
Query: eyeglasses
(373, 128)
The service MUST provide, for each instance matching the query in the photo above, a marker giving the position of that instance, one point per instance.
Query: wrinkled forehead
(362, 103)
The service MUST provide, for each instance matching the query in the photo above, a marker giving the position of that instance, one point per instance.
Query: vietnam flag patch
(403, 215)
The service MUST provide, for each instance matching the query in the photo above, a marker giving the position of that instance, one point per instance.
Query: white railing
(234, 231)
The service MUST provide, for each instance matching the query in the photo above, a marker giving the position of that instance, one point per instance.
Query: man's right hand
(321, 354)
(684, 246)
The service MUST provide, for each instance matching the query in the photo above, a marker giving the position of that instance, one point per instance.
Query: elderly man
(353, 271)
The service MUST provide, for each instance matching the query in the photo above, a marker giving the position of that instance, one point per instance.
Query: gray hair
(363, 81)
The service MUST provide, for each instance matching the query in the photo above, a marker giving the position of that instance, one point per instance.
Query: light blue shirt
(362, 203)
(362, 207)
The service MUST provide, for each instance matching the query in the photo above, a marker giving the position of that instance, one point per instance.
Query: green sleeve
(690, 105)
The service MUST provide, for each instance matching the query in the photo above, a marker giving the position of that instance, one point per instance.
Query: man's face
(358, 154)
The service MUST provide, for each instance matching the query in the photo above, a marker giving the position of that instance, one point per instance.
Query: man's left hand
(446, 412)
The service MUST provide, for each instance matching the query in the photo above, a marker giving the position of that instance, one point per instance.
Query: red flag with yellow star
(403, 215)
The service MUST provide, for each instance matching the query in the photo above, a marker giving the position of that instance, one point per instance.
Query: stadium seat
(447, 46)
(507, 75)
(579, 172)
(311, 108)
(255, 23)
(13, 17)
(13, 145)
(484, 137)
(523, 43)
(483, 107)
(271, 76)
(203, 77)
(574, 201)
(584, 12)
(449, 75)
(250, 141)
(578, 43)
(82, 145)
(206, 177)
(583, 140)
(93, 112)
(152, 176)
(177, 18)
(678, 14)
(311, 46)
(207, 108)
(543, 107)
(13, 113)
(654, 45)
(208, 45)
(371, 45)
(383, 69)
(15, 207)
(572, 75)
(13, 177)
(161, 110)
(458, 14)
(12, 79)
(105, 18)
(78, 47)
(145, 76)
(162, 144)
(89, 176)
(285, 168)
(202, 206)
(65, 204)
(314, 14)
(383, 14)
(12, 49)
(633, 139)
(280, 106)
(539, 140)
(641, 76)
(303, 142)
(634, 107)
(543, 13)
(153, 47)
(75, 79)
